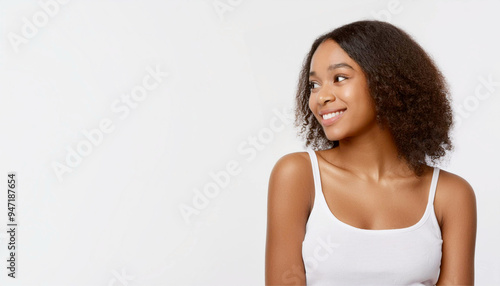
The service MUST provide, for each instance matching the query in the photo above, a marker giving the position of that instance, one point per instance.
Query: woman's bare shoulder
(292, 177)
(287, 214)
(453, 193)
(452, 185)
(295, 162)
(458, 222)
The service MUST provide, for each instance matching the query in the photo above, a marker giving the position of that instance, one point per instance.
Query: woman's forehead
(329, 54)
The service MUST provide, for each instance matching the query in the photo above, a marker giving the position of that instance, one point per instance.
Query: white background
(115, 219)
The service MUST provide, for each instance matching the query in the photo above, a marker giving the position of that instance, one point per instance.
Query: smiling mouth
(332, 115)
(330, 118)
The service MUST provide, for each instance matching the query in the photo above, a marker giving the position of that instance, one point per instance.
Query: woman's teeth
(330, 115)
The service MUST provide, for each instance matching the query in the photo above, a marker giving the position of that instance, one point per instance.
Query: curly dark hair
(411, 95)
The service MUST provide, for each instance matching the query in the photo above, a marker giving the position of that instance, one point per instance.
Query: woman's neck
(372, 156)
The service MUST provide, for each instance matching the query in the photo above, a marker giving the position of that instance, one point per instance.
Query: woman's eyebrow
(332, 67)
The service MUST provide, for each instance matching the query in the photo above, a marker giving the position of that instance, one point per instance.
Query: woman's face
(339, 90)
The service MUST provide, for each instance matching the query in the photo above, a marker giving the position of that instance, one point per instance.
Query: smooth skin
(364, 183)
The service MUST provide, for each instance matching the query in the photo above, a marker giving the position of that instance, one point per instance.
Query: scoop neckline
(394, 230)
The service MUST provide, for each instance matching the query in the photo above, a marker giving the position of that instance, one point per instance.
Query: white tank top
(336, 253)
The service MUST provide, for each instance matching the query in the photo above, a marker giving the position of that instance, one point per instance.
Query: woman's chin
(332, 136)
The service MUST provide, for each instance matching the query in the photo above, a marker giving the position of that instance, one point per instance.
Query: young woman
(367, 207)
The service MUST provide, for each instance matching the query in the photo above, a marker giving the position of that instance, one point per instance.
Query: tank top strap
(315, 169)
(432, 191)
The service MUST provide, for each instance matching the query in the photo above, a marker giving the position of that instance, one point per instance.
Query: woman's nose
(326, 95)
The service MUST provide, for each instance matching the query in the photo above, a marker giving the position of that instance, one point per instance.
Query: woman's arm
(288, 206)
(458, 229)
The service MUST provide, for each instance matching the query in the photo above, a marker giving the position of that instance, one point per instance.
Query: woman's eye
(338, 78)
(313, 85)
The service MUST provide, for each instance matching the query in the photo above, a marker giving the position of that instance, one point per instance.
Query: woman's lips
(330, 121)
